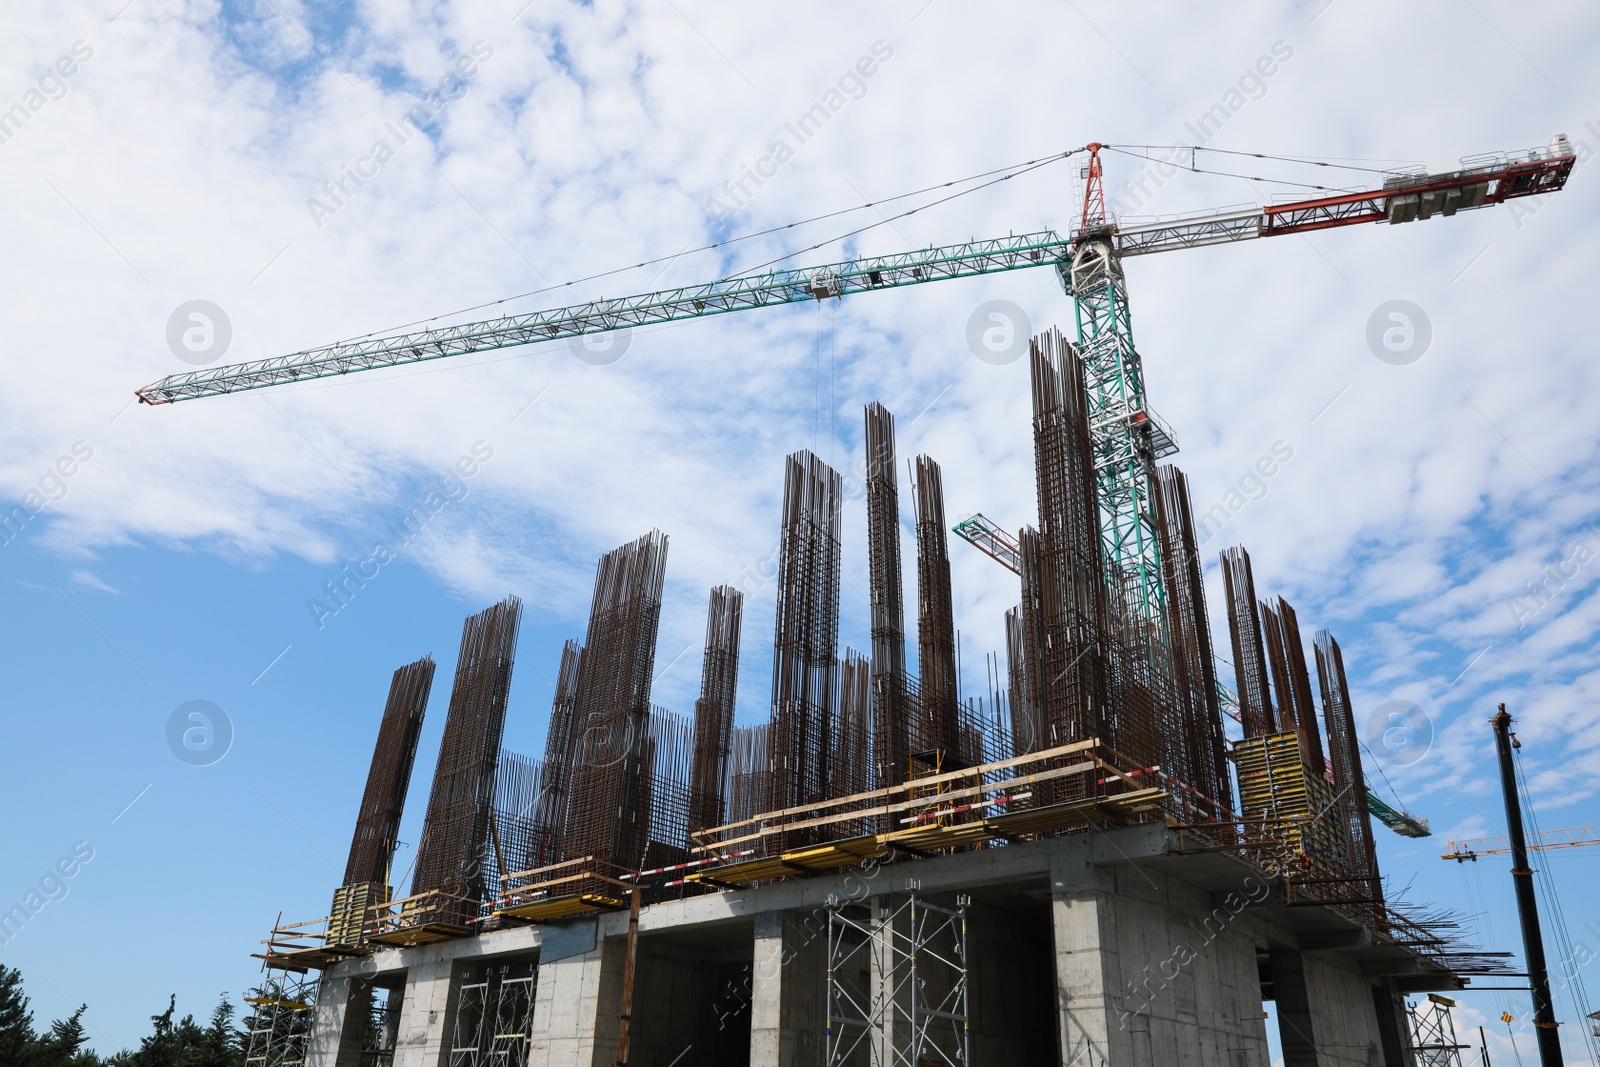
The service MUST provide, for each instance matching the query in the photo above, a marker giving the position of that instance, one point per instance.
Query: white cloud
(180, 161)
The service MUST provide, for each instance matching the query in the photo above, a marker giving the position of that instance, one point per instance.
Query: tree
(185, 1044)
(16, 1021)
(62, 1045)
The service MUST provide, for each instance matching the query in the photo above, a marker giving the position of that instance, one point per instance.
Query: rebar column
(383, 801)
(1344, 750)
(608, 817)
(891, 713)
(1195, 678)
(938, 726)
(455, 834)
(806, 637)
(1293, 683)
(555, 793)
(1026, 727)
(1067, 572)
(1249, 656)
(851, 730)
(713, 712)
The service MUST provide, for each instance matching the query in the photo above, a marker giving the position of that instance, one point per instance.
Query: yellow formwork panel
(800, 861)
(1298, 807)
(352, 905)
(561, 907)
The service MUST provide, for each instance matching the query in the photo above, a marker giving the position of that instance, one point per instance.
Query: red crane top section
(1093, 219)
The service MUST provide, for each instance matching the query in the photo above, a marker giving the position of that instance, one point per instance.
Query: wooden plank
(889, 809)
(1032, 757)
(550, 867)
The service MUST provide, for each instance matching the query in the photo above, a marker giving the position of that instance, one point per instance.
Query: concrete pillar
(1086, 966)
(788, 994)
(1343, 1011)
(576, 1005)
(1296, 1030)
(884, 968)
(1151, 970)
(427, 1015)
(343, 1003)
(1393, 1030)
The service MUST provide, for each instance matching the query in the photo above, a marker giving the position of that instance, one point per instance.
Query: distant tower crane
(1127, 438)
(1545, 841)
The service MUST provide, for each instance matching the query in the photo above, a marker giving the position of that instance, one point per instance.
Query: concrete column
(427, 1015)
(1151, 970)
(788, 994)
(1296, 1031)
(343, 1002)
(575, 1008)
(884, 970)
(1086, 966)
(1348, 1030)
(1393, 1030)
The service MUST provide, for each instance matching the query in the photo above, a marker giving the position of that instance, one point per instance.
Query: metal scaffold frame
(285, 1006)
(1433, 1033)
(494, 1017)
(913, 1011)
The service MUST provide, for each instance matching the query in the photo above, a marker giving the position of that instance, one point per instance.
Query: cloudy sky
(157, 153)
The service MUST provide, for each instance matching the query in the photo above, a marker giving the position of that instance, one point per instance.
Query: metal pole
(1544, 1016)
(627, 978)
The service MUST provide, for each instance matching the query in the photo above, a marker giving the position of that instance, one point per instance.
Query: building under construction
(1074, 867)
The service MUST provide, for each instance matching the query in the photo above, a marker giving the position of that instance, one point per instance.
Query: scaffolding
(280, 1028)
(383, 1028)
(911, 1011)
(1433, 1033)
(494, 1017)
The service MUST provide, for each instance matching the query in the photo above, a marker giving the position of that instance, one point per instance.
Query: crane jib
(1045, 248)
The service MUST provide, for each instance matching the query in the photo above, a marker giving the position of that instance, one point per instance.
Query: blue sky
(180, 160)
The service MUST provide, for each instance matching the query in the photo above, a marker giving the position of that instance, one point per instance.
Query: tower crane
(1544, 841)
(1127, 438)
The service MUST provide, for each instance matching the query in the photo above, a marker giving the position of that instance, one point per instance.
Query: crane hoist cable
(1022, 167)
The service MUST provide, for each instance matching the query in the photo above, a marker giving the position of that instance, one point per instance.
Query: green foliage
(181, 1043)
(186, 1044)
(16, 1021)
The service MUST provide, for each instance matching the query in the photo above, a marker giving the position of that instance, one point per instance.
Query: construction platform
(1118, 945)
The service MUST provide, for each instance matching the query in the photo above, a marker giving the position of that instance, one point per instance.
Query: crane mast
(1126, 439)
